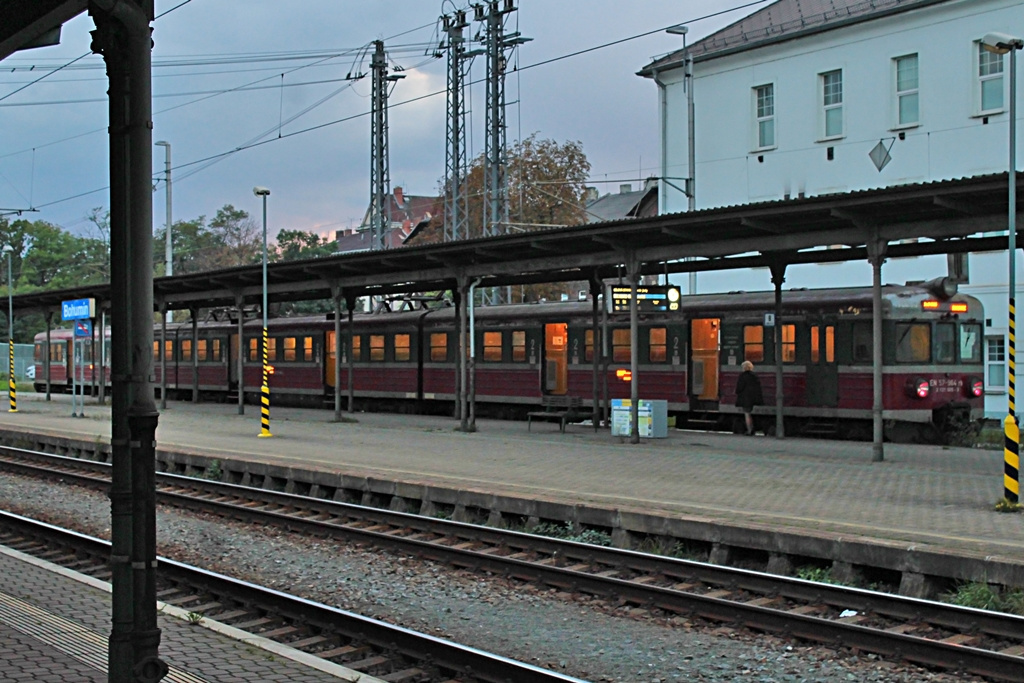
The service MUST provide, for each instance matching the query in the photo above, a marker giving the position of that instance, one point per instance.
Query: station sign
(649, 298)
(78, 309)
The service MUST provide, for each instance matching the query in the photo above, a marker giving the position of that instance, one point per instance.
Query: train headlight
(918, 388)
(974, 387)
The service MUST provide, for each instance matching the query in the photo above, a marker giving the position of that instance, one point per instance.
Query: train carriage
(932, 367)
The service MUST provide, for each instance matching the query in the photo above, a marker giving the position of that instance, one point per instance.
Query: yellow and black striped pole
(1011, 431)
(12, 385)
(265, 410)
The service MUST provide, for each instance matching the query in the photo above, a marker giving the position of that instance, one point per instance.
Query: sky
(268, 79)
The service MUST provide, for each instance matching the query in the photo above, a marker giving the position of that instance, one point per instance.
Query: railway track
(919, 631)
(376, 651)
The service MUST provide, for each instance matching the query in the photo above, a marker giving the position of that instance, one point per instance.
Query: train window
(156, 351)
(201, 352)
(753, 343)
(789, 343)
(658, 339)
(402, 346)
(492, 347)
(357, 347)
(588, 346)
(186, 349)
(519, 346)
(288, 343)
(945, 343)
(376, 347)
(862, 337)
(438, 346)
(829, 344)
(271, 349)
(37, 353)
(254, 350)
(215, 349)
(970, 343)
(169, 350)
(620, 346)
(913, 342)
(307, 349)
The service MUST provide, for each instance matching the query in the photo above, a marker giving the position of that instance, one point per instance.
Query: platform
(935, 496)
(54, 625)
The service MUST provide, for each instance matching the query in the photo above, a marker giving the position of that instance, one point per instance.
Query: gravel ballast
(577, 635)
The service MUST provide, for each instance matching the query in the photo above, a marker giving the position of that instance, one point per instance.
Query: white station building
(814, 97)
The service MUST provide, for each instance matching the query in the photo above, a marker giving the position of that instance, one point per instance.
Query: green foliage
(194, 617)
(817, 574)
(213, 472)
(566, 533)
(975, 594)
(1006, 505)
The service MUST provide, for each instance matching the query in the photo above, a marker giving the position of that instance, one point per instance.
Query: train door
(329, 378)
(555, 366)
(704, 346)
(822, 371)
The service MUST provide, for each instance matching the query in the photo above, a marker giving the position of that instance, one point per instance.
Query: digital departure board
(649, 298)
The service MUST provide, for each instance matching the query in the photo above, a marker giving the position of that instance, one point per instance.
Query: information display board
(652, 418)
(649, 298)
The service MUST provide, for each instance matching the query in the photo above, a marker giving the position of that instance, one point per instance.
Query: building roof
(409, 214)
(624, 204)
(785, 20)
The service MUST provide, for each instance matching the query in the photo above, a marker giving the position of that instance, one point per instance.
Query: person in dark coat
(748, 394)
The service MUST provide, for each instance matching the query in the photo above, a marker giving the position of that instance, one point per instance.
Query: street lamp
(12, 385)
(1000, 44)
(265, 413)
(169, 268)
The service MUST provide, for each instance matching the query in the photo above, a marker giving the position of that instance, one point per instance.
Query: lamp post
(168, 253)
(12, 391)
(1000, 43)
(265, 412)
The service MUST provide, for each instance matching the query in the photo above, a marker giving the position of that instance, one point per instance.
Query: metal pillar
(471, 360)
(49, 326)
(336, 295)
(595, 354)
(634, 352)
(242, 350)
(778, 271)
(605, 358)
(458, 300)
(163, 356)
(380, 179)
(103, 356)
(455, 225)
(463, 325)
(350, 303)
(123, 37)
(194, 312)
(876, 256)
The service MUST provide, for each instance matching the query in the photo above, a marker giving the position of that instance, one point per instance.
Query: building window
(764, 96)
(402, 347)
(990, 81)
(907, 113)
(658, 345)
(832, 102)
(753, 343)
(438, 347)
(996, 362)
(518, 346)
(376, 347)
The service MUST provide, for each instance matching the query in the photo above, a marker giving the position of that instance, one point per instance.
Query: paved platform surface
(931, 496)
(54, 626)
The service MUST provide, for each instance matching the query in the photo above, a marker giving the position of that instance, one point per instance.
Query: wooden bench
(560, 408)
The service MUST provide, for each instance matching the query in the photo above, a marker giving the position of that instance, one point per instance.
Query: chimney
(625, 187)
(399, 199)
(591, 194)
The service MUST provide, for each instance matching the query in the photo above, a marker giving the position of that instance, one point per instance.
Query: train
(404, 361)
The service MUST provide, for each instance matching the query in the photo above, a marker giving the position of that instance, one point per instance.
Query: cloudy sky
(268, 78)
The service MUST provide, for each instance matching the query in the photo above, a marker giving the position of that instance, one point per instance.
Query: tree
(241, 236)
(232, 238)
(293, 245)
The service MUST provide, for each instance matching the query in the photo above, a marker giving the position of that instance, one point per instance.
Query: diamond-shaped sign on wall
(880, 155)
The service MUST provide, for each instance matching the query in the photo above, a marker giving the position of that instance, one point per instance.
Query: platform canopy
(927, 218)
(34, 23)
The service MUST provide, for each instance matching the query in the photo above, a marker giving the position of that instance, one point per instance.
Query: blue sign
(83, 328)
(79, 309)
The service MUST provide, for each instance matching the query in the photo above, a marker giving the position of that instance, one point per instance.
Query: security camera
(260, 191)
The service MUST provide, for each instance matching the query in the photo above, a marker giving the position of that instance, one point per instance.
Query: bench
(560, 408)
